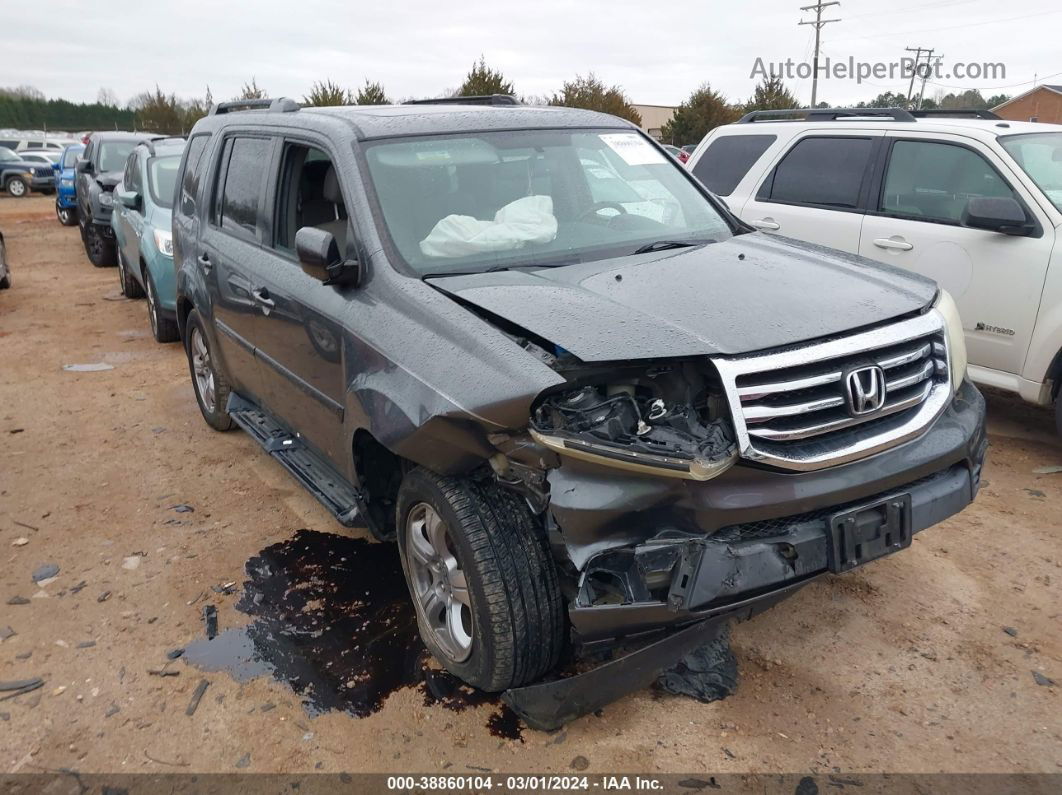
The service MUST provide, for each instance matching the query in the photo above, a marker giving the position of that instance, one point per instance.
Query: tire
(67, 215)
(509, 628)
(130, 287)
(163, 328)
(17, 187)
(5, 282)
(101, 251)
(213, 411)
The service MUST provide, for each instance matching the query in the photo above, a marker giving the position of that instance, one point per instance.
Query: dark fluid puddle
(331, 618)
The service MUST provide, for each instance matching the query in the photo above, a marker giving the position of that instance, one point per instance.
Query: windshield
(71, 155)
(113, 155)
(7, 154)
(470, 202)
(1040, 155)
(162, 178)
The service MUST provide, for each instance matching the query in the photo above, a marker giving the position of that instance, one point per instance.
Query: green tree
(371, 94)
(158, 112)
(964, 100)
(996, 100)
(252, 91)
(482, 81)
(592, 94)
(771, 94)
(886, 99)
(325, 93)
(704, 110)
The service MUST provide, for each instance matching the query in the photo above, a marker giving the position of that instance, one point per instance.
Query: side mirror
(83, 166)
(319, 257)
(1002, 215)
(129, 198)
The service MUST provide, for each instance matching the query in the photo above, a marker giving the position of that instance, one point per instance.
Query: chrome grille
(790, 407)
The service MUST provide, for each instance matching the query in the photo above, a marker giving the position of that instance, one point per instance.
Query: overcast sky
(658, 52)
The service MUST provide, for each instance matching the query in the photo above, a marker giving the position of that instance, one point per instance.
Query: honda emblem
(865, 390)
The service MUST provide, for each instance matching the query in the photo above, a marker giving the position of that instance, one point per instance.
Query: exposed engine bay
(668, 419)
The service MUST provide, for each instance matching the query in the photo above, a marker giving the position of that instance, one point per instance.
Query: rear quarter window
(728, 158)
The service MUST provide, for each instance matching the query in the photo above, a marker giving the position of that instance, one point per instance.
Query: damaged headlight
(666, 422)
(956, 337)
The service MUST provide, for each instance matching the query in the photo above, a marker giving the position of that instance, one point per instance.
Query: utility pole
(925, 76)
(914, 71)
(818, 22)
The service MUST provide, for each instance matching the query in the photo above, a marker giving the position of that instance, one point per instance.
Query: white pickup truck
(968, 199)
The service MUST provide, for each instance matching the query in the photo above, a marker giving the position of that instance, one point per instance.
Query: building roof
(1056, 89)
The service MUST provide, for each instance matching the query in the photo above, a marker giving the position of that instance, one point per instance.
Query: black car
(18, 177)
(589, 403)
(99, 169)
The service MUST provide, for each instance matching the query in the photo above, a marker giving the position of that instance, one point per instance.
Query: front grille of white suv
(795, 408)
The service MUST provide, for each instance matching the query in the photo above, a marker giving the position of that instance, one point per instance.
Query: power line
(818, 22)
(951, 27)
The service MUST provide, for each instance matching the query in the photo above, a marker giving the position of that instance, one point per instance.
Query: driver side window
(308, 195)
(930, 181)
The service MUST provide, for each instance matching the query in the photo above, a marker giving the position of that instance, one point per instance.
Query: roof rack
(826, 114)
(487, 99)
(957, 113)
(278, 105)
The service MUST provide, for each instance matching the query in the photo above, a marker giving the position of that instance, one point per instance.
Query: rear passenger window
(934, 181)
(727, 159)
(822, 171)
(193, 170)
(247, 160)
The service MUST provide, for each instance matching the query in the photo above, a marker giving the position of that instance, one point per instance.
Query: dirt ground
(920, 662)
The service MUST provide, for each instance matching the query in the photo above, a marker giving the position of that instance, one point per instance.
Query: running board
(323, 482)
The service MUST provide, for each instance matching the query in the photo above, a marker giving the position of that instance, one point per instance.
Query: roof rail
(826, 114)
(487, 99)
(279, 105)
(150, 142)
(956, 113)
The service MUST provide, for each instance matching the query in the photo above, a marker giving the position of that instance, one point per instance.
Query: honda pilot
(589, 403)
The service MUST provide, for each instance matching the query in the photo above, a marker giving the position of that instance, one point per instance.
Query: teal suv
(141, 223)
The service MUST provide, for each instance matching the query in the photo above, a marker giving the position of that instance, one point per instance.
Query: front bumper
(675, 573)
(42, 182)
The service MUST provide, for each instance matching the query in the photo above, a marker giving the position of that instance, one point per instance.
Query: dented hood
(749, 293)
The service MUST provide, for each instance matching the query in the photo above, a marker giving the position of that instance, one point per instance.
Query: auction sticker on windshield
(634, 149)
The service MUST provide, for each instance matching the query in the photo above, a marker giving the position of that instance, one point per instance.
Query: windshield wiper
(663, 245)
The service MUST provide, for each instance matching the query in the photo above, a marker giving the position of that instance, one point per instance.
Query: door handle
(766, 223)
(261, 296)
(895, 243)
(206, 264)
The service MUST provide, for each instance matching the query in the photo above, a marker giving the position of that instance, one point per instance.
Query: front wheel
(67, 215)
(210, 385)
(484, 586)
(99, 249)
(17, 187)
(130, 287)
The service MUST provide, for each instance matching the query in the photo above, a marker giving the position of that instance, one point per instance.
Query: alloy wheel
(203, 369)
(152, 312)
(439, 584)
(16, 187)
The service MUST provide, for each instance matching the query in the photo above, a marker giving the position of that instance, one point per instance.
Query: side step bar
(323, 482)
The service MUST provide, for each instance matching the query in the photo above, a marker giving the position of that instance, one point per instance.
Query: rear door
(299, 336)
(914, 221)
(229, 243)
(817, 190)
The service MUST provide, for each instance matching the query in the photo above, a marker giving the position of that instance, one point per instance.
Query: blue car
(141, 223)
(65, 185)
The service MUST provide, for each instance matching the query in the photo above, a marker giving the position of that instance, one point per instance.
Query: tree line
(156, 111)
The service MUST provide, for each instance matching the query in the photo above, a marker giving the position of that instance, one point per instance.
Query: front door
(915, 222)
(299, 338)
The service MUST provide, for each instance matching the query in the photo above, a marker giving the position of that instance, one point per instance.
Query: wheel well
(184, 308)
(379, 473)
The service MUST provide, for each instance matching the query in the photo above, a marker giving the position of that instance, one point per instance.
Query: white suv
(965, 198)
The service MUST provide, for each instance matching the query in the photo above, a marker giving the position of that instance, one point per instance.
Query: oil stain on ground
(331, 618)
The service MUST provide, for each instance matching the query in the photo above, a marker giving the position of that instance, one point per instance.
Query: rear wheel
(162, 327)
(99, 249)
(484, 586)
(130, 287)
(17, 187)
(67, 215)
(210, 385)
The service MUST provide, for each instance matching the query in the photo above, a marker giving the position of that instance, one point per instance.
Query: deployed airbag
(526, 220)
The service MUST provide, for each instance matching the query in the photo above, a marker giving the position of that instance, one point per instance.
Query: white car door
(915, 221)
(817, 188)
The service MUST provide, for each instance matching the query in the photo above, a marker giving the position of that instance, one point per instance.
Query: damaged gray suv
(591, 405)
